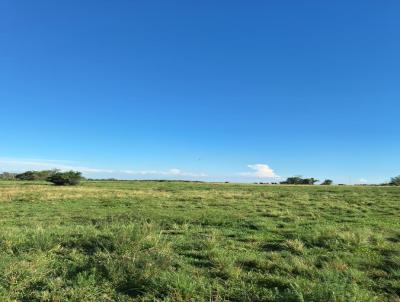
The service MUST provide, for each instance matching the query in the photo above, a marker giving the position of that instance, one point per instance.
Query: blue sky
(209, 90)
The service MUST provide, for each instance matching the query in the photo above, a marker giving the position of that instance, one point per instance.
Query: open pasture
(183, 241)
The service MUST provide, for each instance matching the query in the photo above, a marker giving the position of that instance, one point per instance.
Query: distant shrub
(70, 178)
(297, 180)
(28, 175)
(327, 182)
(395, 181)
(7, 176)
(35, 175)
(309, 181)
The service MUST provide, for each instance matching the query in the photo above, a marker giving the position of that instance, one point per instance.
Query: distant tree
(28, 175)
(327, 182)
(36, 175)
(395, 181)
(7, 176)
(309, 181)
(43, 175)
(70, 178)
(297, 180)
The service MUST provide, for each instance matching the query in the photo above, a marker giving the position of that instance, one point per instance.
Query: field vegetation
(182, 241)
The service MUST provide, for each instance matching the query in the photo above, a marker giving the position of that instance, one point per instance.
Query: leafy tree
(70, 178)
(395, 181)
(327, 182)
(297, 180)
(309, 181)
(35, 175)
(28, 175)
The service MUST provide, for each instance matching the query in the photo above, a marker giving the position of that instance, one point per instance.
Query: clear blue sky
(202, 89)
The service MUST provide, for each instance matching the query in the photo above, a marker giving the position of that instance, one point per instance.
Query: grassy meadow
(182, 241)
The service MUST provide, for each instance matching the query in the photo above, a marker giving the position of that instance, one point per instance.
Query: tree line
(74, 177)
(54, 176)
(298, 180)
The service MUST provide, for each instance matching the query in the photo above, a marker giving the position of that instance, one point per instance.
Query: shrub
(297, 180)
(395, 181)
(70, 178)
(28, 175)
(36, 175)
(327, 182)
(7, 176)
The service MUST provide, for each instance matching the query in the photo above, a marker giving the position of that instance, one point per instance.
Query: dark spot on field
(272, 247)
(394, 239)
(251, 225)
(90, 245)
(249, 265)
(221, 274)
(133, 286)
(198, 259)
(273, 282)
(246, 239)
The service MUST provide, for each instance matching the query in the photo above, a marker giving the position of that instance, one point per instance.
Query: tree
(327, 182)
(309, 181)
(28, 175)
(297, 180)
(70, 178)
(395, 181)
(36, 175)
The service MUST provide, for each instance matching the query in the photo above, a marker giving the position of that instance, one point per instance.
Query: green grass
(175, 241)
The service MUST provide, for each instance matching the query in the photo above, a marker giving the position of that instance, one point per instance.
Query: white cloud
(260, 171)
(170, 172)
(362, 180)
(40, 164)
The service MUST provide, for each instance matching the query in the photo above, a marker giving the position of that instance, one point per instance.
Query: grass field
(175, 241)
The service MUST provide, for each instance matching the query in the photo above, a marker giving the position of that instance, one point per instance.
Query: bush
(70, 178)
(7, 176)
(327, 182)
(395, 181)
(28, 175)
(36, 175)
(297, 180)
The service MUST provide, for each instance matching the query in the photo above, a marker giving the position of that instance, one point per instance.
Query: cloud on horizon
(260, 171)
(19, 165)
(170, 172)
